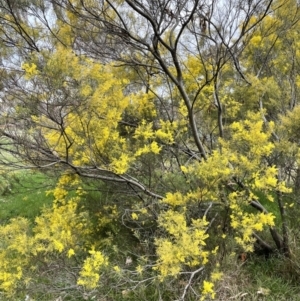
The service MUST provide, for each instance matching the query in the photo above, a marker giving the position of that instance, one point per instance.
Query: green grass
(23, 193)
(271, 275)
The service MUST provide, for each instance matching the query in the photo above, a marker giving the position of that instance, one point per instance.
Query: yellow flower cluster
(184, 246)
(60, 228)
(15, 248)
(245, 223)
(30, 70)
(89, 274)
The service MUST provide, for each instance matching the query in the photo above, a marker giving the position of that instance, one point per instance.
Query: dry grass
(257, 280)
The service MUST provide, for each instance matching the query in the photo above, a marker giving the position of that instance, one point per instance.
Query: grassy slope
(23, 193)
